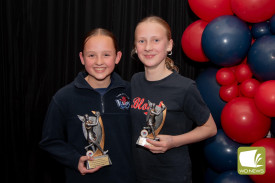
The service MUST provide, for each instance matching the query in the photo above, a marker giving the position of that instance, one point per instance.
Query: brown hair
(101, 31)
(168, 61)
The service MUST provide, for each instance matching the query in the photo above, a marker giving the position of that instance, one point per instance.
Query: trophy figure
(93, 131)
(154, 119)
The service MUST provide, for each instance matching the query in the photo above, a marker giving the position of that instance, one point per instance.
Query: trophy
(93, 131)
(154, 119)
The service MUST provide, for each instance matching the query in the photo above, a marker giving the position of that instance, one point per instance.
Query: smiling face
(99, 57)
(152, 44)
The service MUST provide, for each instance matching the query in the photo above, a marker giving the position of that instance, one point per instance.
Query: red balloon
(229, 92)
(253, 41)
(244, 60)
(253, 11)
(249, 87)
(269, 176)
(243, 72)
(191, 41)
(265, 98)
(225, 76)
(210, 9)
(243, 122)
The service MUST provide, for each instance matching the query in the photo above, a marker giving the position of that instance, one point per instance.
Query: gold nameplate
(103, 160)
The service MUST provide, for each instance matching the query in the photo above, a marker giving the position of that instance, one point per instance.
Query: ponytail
(170, 64)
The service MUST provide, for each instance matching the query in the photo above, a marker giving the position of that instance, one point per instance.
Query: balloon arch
(239, 38)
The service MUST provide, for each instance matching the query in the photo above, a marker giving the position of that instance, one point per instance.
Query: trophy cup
(93, 131)
(154, 119)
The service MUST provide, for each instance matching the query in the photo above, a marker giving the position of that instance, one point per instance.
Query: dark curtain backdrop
(40, 42)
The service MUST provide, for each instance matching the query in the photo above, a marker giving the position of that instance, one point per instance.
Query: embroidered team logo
(123, 101)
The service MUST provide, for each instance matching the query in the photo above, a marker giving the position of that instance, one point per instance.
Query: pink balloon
(229, 92)
(191, 41)
(265, 98)
(243, 72)
(243, 122)
(249, 87)
(225, 76)
(269, 145)
(253, 11)
(210, 9)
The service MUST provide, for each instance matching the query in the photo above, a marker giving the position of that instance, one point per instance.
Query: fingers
(155, 146)
(84, 158)
(164, 144)
(94, 169)
(154, 142)
(82, 168)
(90, 170)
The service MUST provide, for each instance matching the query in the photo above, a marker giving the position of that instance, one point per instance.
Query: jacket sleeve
(54, 138)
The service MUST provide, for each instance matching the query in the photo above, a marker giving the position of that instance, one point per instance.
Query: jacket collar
(116, 81)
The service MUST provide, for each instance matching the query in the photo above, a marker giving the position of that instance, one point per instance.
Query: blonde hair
(168, 61)
(101, 31)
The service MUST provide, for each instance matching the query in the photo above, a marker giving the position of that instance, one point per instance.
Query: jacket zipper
(102, 105)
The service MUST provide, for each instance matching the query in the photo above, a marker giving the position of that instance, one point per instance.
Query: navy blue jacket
(63, 136)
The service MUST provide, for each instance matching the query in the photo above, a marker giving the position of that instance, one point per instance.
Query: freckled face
(152, 44)
(99, 58)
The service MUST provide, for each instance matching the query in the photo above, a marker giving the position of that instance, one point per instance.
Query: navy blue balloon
(272, 24)
(210, 175)
(261, 58)
(232, 177)
(260, 29)
(221, 152)
(226, 40)
(209, 89)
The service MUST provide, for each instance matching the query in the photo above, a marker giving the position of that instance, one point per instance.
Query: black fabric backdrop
(40, 42)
